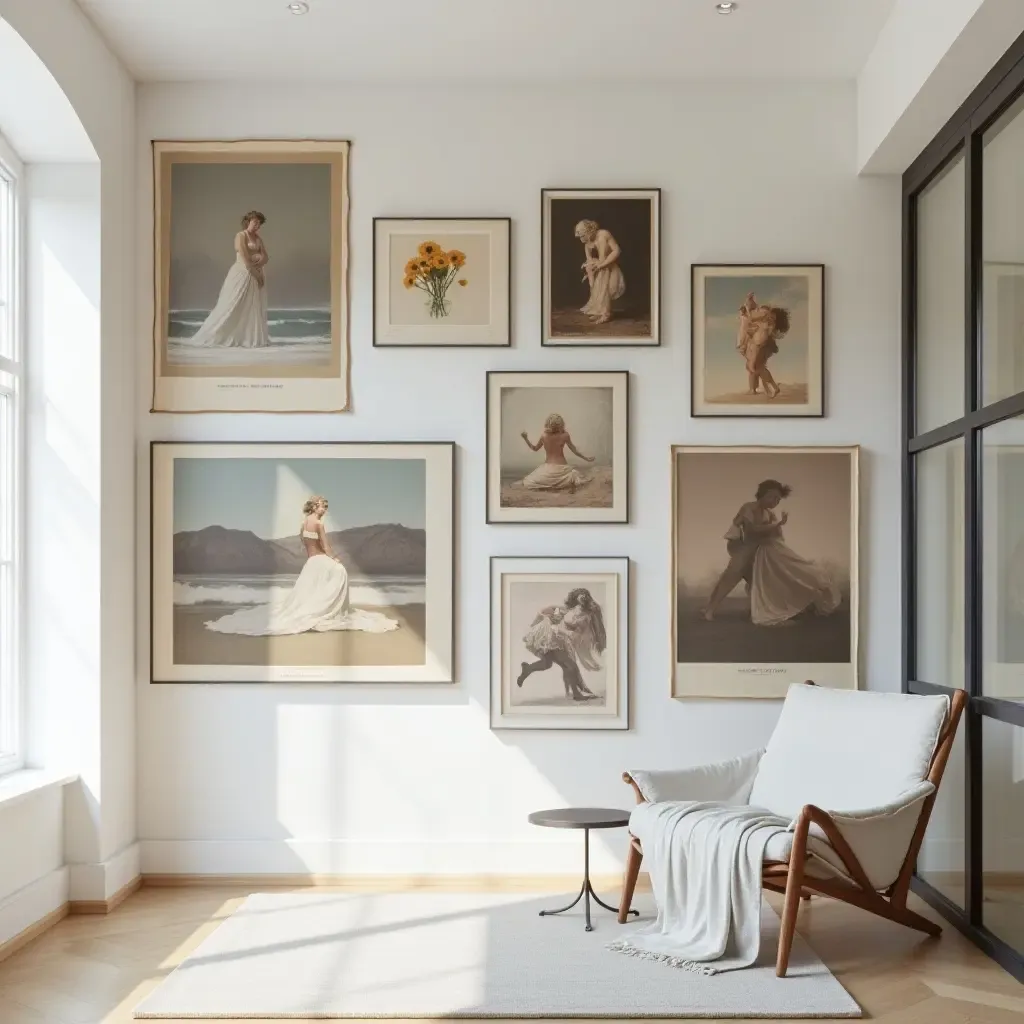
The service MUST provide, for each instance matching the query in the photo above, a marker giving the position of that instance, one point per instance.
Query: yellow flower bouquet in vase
(434, 271)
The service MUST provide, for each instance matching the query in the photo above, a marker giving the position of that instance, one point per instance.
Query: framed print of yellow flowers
(433, 271)
(442, 282)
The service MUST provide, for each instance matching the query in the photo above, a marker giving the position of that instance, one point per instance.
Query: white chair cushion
(846, 750)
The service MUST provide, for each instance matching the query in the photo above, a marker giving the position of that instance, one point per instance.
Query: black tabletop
(580, 817)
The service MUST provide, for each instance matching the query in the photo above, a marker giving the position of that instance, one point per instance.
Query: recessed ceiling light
(299, 7)
(726, 7)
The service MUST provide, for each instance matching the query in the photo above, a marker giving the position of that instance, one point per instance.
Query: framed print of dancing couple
(758, 340)
(279, 563)
(250, 272)
(559, 643)
(442, 282)
(601, 266)
(765, 569)
(557, 447)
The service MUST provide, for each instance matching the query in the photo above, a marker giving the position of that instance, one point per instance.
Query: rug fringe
(626, 947)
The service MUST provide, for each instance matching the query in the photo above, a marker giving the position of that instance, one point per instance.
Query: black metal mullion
(1008, 711)
(939, 435)
(929, 689)
(908, 481)
(973, 852)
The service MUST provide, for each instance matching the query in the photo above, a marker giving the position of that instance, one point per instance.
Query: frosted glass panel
(943, 853)
(940, 564)
(1003, 253)
(939, 343)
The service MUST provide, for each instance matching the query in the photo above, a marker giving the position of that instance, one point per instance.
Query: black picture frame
(377, 343)
(489, 518)
(452, 636)
(695, 271)
(653, 195)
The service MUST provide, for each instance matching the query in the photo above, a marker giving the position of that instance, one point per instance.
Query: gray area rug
(327, 955)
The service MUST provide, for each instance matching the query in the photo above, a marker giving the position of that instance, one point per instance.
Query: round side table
(585, 818)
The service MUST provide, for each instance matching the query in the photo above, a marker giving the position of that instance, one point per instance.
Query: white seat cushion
(846, 750)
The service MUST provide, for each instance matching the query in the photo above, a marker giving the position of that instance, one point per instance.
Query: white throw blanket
(705, 867)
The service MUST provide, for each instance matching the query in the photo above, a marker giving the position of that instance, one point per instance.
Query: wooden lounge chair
(851, 769)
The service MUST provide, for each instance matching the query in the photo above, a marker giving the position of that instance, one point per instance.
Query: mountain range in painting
(386, 549)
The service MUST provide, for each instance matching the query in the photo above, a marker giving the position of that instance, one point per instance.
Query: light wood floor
(94, 970)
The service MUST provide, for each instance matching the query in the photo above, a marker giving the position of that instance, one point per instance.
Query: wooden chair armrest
(815, 815)
(626, 777)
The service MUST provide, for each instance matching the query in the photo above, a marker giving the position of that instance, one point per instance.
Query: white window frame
(13, 387)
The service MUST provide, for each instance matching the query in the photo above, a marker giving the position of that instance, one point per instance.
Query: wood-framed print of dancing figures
(559, 643)
(250, 276)
(765, 569)
(282, 563)
(757, 340)
(557, 447)
(601, 267)
(442, 282)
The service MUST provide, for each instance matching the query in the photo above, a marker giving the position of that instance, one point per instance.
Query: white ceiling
(490, 40)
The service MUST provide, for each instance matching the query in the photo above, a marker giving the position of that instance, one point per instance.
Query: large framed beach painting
(559, 643)
(251, 267)
(557, 447)
(757, 340)
(601, 266)
(281, 563)
(765, 569)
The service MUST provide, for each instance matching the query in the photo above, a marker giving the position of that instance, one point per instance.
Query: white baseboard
(26, 907)
(99, 882)
(563, 856)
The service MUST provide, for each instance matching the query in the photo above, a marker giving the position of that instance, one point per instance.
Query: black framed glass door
(963, 498)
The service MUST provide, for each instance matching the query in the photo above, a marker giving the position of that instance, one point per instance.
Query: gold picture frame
(797, 615)
(229, 335)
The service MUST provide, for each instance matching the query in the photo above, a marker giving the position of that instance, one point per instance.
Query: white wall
(100, 811)
(357, 779)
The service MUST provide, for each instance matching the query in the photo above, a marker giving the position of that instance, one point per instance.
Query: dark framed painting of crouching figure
(601, 267)
(765, 569)
(559, 643)
(283, 562)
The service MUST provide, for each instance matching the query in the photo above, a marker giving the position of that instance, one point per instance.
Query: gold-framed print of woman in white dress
(250, 272)
(765, 569)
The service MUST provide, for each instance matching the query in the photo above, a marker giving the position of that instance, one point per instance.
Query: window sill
(21, 784)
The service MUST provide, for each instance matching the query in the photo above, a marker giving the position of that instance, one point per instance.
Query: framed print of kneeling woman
(765, 581)
(286, 562)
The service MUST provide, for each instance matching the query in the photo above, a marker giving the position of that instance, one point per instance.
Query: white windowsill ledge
(21, 784)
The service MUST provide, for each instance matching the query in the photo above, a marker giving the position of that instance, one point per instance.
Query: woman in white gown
(781, 583)
(319, 600)
(601, 270)
(239, 320)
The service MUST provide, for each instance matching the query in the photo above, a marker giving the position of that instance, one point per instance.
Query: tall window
(12, 386)
(964, 498)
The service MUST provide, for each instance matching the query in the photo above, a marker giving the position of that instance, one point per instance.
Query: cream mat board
(330, 955)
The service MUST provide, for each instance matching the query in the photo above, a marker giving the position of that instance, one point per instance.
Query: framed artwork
(442, 282)
(299, 563)
(251, 276)
(765, 569)
(557, 447)
(559, 643)
(601, 266)
(758, 340)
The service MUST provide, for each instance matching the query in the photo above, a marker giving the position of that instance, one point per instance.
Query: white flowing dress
(239, 320)
(554, 477)
(609, 285)
(318, 602)
(785, 584)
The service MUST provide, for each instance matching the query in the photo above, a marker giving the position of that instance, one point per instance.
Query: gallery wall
(252, 779)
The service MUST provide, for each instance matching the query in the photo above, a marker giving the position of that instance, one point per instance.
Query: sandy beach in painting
(597, 492)
(194, 644)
